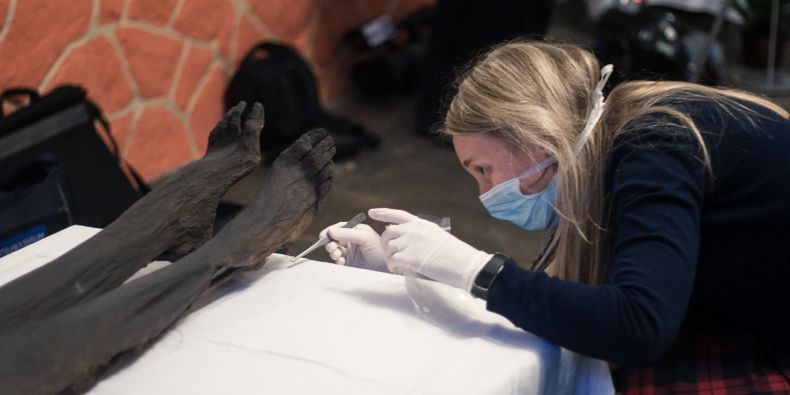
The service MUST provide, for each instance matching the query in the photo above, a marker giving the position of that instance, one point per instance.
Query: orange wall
(158, 68)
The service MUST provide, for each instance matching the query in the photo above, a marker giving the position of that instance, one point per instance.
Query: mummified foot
(177, 216)
(292, 192)
(189, 198)
(69, 350)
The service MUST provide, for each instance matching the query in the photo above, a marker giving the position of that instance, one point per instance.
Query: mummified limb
(68, 351)
(177, 216)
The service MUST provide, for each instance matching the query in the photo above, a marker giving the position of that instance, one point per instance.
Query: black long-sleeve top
(688, 246)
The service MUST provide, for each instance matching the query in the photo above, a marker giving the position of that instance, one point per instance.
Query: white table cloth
(317, 328)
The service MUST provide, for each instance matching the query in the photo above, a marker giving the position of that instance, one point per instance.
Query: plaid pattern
(712, 365)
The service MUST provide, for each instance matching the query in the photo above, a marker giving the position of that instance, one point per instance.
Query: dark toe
(316, 159)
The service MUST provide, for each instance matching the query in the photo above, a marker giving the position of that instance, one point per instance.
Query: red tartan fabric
(712, 365)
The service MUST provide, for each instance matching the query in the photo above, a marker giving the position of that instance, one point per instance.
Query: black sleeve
(657, 188)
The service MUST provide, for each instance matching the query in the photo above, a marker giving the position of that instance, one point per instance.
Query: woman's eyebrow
(467, 161)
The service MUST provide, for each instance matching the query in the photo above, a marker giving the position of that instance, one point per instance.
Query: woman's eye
(480, 170)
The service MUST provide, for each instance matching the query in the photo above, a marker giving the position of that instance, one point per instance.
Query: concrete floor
(412, 173)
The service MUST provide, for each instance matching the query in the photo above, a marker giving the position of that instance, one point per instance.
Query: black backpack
(279, 78)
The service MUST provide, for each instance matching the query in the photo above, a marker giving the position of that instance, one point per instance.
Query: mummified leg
(68, 351)
(177, 217)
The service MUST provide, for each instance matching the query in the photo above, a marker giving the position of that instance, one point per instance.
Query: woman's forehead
(477, 145)
(483, 148)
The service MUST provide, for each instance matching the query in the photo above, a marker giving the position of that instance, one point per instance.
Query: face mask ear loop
(513, 183)
(597, 110)
(537, 168)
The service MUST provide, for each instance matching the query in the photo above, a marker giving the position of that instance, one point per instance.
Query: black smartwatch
(487, 276)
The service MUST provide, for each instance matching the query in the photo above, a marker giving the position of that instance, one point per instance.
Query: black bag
(55, 169)
(279, 78)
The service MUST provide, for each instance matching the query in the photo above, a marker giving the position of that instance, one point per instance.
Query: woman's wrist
(486, 275)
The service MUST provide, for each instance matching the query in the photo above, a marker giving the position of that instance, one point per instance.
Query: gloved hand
(358, 246)
(423, 247)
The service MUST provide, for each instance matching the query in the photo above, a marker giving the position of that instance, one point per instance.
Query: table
(314, 327)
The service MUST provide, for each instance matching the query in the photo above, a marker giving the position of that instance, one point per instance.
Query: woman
(670, 206)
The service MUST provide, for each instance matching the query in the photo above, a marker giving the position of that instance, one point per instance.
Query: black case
(56, 171)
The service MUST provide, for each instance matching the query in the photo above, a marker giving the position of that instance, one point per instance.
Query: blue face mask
(534, 212)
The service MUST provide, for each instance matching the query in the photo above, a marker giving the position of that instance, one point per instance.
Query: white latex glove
(359, 246)
(423, 247)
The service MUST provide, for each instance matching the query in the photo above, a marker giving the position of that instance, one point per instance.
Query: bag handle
(272, 49)
(32, 95)
(96, 114)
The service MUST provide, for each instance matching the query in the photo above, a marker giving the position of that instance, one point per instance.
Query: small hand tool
(326, 239)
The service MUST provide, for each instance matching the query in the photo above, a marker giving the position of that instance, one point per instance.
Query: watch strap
(485, 278)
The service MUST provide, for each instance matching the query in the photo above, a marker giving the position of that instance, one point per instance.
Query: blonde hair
(539, 95)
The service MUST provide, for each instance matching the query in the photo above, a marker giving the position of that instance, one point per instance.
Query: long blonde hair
(539, 95)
